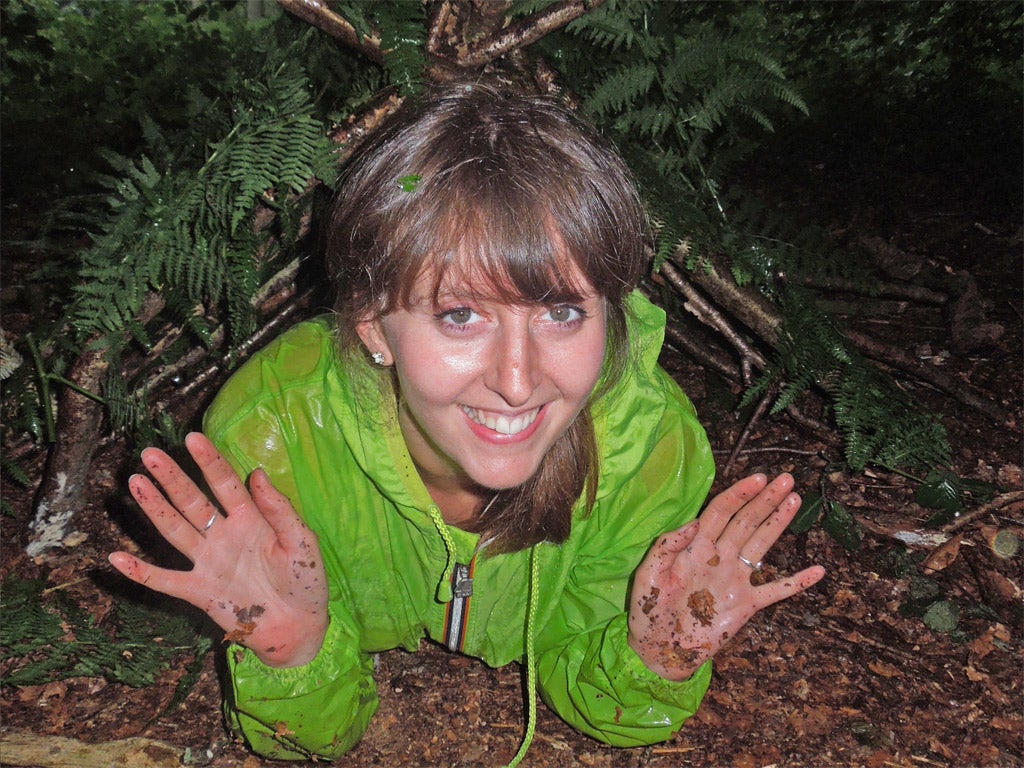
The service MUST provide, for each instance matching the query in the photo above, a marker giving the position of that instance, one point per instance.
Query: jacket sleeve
(320, 709)
(588, 673)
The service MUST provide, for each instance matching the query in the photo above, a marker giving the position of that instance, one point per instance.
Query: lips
(501, 423)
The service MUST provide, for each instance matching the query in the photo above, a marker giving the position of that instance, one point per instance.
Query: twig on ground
(902, 361)
(759, 411)
(1000, 501)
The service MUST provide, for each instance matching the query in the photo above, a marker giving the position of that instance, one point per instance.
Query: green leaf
(923, 592)
(941, 491)
(942, 616)
(948, 494)
(842, 526)
(809, 513)
(410, 182)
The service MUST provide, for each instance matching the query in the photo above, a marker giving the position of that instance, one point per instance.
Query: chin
(503, 479)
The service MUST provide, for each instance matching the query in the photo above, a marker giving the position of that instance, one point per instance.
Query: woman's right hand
(257, 570)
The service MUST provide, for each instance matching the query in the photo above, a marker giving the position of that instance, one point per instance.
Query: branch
(29, 749)
(891, 290)
(753, 310)
(707, 314)
(682, 341)
(759, 411)
(317, 13)
(1000, 501)
(927, 373)
(70, 459)
(526, 31)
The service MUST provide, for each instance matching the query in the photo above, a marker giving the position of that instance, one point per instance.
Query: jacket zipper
(457, 611)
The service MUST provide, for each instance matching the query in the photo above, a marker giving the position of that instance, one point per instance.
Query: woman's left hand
(693, 591)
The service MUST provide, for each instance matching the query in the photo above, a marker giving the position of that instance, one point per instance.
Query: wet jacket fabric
(327, 435)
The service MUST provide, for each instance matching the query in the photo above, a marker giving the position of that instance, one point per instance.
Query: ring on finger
(753, 566)
(215, 515)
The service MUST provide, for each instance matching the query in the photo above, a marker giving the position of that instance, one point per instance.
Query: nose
(514, 369)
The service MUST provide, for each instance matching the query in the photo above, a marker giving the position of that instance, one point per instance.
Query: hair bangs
(495, 247)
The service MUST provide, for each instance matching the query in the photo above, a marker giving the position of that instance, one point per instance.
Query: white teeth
(502, 424)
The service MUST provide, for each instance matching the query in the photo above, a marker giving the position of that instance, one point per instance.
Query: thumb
(676, 541)
(277, 510)
(666, 548)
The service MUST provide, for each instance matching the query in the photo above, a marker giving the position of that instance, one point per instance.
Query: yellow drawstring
(531, 664)
(444, 594)
(444, 588)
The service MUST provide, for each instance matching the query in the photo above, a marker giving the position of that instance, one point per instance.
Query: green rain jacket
(331, 443)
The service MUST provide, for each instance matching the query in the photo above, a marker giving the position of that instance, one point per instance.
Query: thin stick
(755, 417)
(1000, 501)
(528, 30)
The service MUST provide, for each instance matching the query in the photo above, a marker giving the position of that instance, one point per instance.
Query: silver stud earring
(378, 358)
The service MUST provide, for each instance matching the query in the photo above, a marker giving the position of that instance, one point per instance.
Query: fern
(47, 636)
(617, 26)
(403, 33)
(183, 233)
(883, 425)
(681, 108)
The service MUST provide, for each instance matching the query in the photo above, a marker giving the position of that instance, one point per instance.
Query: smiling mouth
(502, 424)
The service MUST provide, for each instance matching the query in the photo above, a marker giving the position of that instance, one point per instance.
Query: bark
(78, 429)
(67, 466)
(518, 35)
(317, 13)
(34, 751)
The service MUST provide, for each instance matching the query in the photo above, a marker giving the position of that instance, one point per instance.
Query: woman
(479, 448)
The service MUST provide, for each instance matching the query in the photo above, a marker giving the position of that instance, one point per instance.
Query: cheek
(429, 376)
(580, 365)
(456, 362)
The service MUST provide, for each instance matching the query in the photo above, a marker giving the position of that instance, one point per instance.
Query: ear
(371, 333)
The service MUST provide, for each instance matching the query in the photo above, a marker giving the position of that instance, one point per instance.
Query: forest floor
(841, 676)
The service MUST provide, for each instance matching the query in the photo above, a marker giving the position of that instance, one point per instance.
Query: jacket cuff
(686, 694)
(317, 709)
(245, 664)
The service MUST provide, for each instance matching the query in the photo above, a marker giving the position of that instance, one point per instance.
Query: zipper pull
(462, 583)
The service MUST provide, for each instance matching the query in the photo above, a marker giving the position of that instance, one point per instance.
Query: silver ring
(215, 515)
(754, 566)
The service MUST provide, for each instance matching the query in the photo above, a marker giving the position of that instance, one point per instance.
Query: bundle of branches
(211, 251)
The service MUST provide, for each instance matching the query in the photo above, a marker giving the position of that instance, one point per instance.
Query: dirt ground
(837, 677)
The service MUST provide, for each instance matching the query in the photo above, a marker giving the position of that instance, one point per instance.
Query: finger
(721, 509)
(665, 551)
(766, 534)
(780, 589)
(752, 514)
(279, 513)
(178, 531)
(179, 488)
(178, 584)
(225, 483)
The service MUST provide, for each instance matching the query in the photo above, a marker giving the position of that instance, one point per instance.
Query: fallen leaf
(1005, 723)
(882, 669)
(943, 556)
(985, 643)
(974, 675)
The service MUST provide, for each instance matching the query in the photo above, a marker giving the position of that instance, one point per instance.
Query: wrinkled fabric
(325, 429)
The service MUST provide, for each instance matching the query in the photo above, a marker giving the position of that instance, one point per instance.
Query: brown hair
(503, 188)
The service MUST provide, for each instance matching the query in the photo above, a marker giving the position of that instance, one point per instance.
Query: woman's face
(486, 388)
